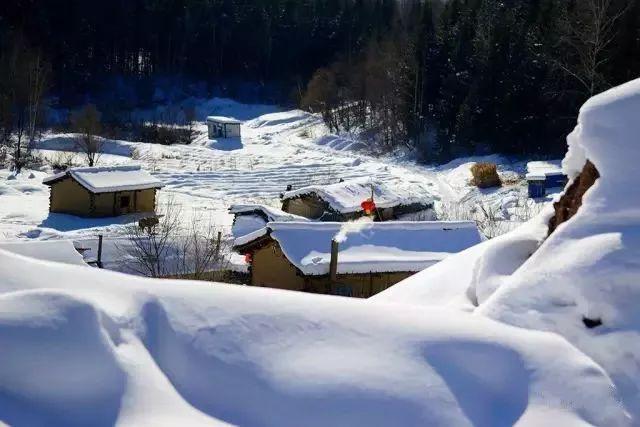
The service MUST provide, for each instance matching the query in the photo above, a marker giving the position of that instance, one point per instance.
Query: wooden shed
(358, 261)
(342, 201)
(223, 127)
(544, 175)
(102, 191)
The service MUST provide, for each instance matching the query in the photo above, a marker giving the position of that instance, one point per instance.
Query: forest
(446, 78)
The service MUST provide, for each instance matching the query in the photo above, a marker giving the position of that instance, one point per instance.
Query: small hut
(544, 175)
(343, 201)
(223, 127)
(324, 257)
(102, 191)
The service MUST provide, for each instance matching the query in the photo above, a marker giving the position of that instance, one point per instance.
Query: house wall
(358, 285)
(309, 207)
(232, 130)
(146, 201)
(270, 268)
(67, 196)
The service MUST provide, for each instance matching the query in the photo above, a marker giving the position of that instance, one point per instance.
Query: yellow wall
(270, 268)
(146, 201)
(307, 207)
(67, 196)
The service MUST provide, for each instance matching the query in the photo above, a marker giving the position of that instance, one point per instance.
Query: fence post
(99, 261)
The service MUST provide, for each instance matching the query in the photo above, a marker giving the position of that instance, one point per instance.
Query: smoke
(352, 227)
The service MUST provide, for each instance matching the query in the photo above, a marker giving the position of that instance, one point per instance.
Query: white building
(223, 127)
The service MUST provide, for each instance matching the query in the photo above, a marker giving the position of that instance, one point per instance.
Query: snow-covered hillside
(586, 272)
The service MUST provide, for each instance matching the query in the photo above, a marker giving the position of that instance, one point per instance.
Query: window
(124, 201)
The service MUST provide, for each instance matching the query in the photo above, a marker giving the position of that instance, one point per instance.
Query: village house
(102, 191)
(544, 175)
(343, 201)
(351, 259)
(223, 127)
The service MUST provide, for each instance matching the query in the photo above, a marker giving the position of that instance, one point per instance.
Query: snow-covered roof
(368, 246)
(542, 169)
(346, 197)
(62, 251)
(106, 179)
(225, 120)
(270, 213)
(252, 217)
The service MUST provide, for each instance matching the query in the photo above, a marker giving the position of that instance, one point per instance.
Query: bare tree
(590, 28)
(169, 249)
(87, 123)
(148, 247)
(202, 252)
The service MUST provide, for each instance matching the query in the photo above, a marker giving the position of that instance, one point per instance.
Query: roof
(62, 251)
(392, 246)
(269, 213)
(107, 179)
(539, 170)
(346, 197)
(226, 120)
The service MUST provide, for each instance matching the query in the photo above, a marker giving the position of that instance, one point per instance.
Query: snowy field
(277, 149)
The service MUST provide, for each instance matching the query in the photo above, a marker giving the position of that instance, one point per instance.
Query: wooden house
(102, 191)
(342, 201)
(223, 127)
(359, 259)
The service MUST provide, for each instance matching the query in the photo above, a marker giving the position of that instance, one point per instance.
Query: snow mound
(588, 268)
(585, 272)
(92, 347)
(62, 251)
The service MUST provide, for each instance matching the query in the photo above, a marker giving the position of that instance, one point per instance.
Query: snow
(368, 246)
(92, 347)
(542, 169)
(595, 268)
(587, 268)
(107, 179)
(62, 251)
(346, 197)
(221, 119)
(252, 217)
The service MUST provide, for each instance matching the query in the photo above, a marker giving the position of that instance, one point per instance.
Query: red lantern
(248, 258)
(368, 206)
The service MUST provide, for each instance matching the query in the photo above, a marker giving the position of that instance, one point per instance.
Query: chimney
(333, 263)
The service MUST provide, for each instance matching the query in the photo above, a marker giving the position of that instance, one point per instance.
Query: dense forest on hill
(447, 78)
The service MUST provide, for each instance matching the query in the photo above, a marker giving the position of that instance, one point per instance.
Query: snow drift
(83, 346)
(587, 271)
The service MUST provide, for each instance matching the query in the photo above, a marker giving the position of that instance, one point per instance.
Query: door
(125, 204)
